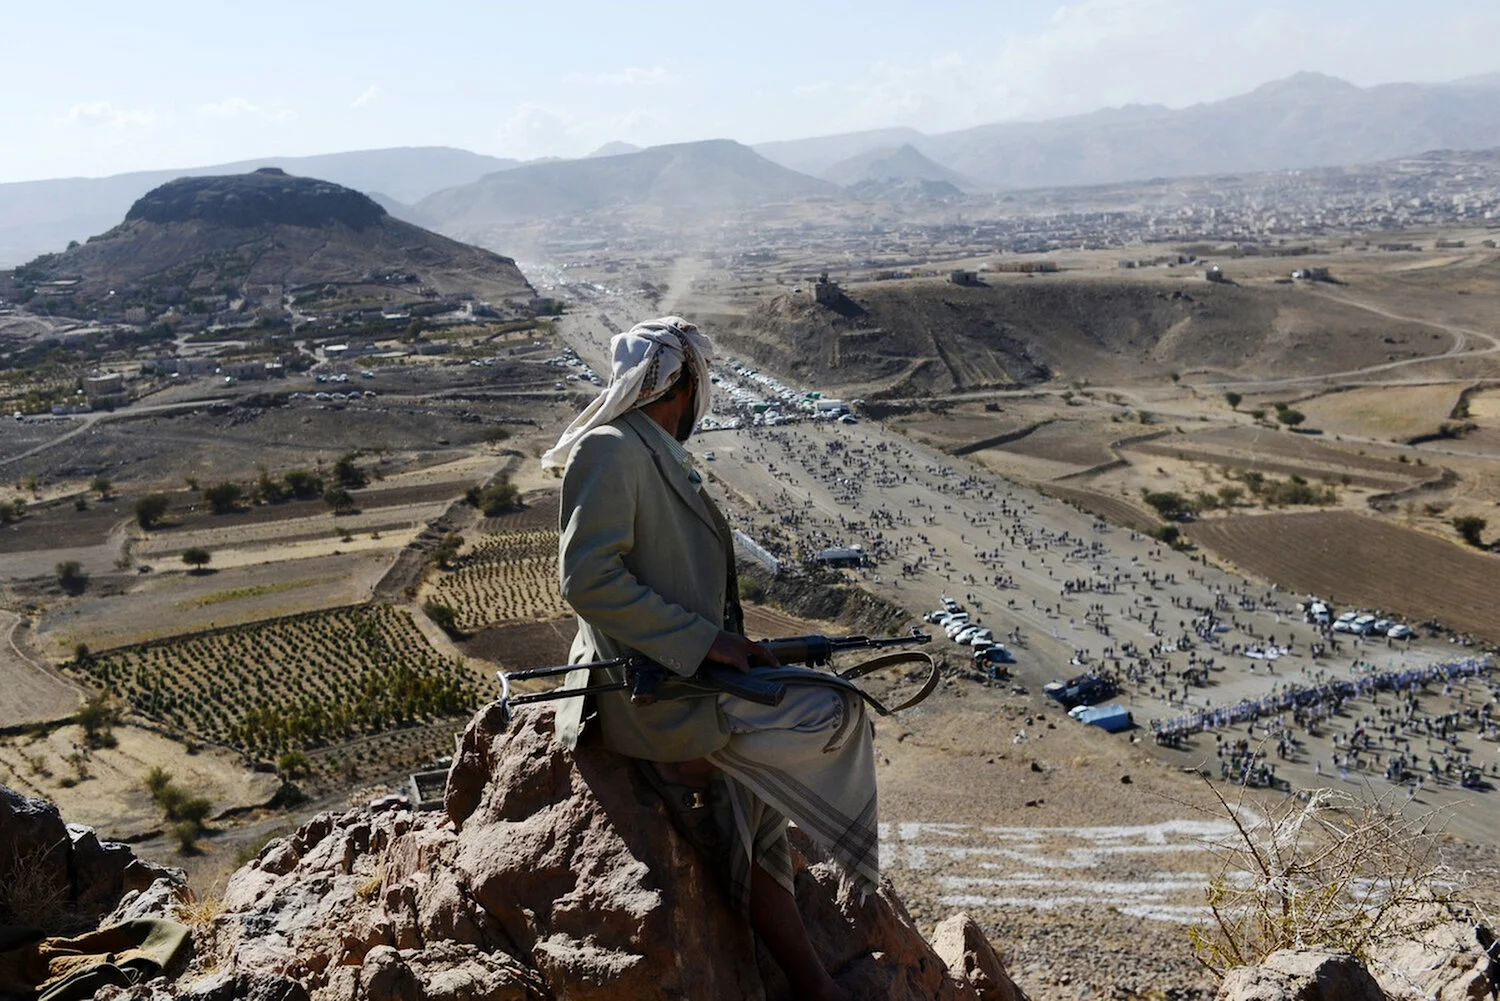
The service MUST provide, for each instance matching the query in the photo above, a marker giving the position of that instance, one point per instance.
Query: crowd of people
(1167, 629)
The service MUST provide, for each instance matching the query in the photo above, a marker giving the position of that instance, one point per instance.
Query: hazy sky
(95, 88)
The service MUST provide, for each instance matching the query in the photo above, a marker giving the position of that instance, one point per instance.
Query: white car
(1347, 617)
(982, 636)
(963, 636)
(952, 605)
(956, 626)
(1400, 632)
(935, 614)
(1363, 625)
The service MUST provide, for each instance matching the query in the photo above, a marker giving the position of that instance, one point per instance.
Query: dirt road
(33, 691)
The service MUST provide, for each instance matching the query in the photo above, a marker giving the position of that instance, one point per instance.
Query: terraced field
(292, 683)
(505, 577)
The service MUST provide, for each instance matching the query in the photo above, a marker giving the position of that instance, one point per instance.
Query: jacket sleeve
(599, 496)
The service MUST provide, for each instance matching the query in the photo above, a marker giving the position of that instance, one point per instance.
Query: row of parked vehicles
(1354, 623)
(965, 630)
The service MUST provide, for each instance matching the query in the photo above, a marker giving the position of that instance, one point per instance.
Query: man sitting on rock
(647, 562)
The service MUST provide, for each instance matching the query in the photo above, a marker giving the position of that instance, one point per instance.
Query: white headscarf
(646, 361)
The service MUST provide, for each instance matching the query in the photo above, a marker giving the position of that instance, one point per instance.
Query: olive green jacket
(646, 561)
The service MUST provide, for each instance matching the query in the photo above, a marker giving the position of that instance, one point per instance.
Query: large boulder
(553, 874)
(1302, 975)
(960, 942)
(1443, 954)
(60, 876)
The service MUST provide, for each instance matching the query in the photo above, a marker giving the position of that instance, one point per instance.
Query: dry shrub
(1331, 871)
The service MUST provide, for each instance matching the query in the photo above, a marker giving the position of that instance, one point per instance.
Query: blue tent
(1110, 718)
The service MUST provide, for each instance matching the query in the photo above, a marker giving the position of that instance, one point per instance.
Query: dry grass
(31, 894)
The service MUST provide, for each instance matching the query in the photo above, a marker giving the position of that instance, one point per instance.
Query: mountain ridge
(710, 175)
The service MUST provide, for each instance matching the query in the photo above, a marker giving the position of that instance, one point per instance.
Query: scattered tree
(270, 490)
(81, 503)
(150, 509)
(443, 615)
(1469, 528)
(341, 500)
(71, 578)
(348, 475)
(101, 486)
(1233, 399)
(303, 485)
(1289, 417)
(292, 765)
(197, 557)
(98, 718)
(1170, 534)
(447, 549)
(1168, 504)
(496, 498)
(223, 497)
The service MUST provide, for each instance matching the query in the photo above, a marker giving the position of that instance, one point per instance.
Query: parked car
(1400, 632)
(995, 653)
(963, 636)
(982, 636)
(951, 605)
(1085, 689)
(956, 626)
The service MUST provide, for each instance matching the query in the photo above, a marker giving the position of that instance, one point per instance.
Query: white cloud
(235, 107)
(629, 77)
(96, 113)
(366, 97)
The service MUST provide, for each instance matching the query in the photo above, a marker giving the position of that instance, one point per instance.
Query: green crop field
(294, 683)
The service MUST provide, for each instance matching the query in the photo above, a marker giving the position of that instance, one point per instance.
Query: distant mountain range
(1305, 120)
(254, 237)
(715, 175)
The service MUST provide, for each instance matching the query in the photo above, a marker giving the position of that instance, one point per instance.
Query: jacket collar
(671, 471)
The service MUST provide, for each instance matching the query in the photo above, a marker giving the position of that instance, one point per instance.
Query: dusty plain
(1082, 853)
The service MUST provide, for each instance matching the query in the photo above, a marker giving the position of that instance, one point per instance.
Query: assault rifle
(647, 681)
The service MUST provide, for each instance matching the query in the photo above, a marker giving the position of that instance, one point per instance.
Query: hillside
(686, 177)
(928, 336)
(883, 166)
(257, 236)
(41, 216)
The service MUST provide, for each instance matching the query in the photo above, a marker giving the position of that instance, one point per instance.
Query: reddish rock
(552, 875)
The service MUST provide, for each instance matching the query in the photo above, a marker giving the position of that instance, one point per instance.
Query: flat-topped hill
(256, 237)
(267, 197)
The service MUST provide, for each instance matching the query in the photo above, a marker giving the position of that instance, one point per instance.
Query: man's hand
(739, 652)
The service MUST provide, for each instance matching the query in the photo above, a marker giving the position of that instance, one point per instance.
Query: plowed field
(1115, 509)
(1359, 561)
